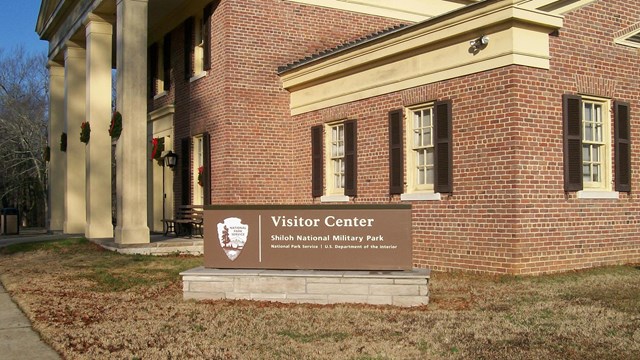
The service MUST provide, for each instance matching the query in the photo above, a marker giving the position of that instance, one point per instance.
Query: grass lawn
(88, 303)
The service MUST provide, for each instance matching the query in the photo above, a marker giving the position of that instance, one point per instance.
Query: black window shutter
(153, 70)
(396, 158)
(443, 148)
(572, 127)
(622, 146)
(185, 160)
(166, 61)
(188, 47)
(351, 158)
(206, 37)
(316, 161)
(206, 145)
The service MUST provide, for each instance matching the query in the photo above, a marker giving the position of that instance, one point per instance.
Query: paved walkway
(18, 340)
(31, 235)
(159, 245)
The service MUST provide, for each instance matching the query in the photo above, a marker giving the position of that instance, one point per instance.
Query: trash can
(9, 223)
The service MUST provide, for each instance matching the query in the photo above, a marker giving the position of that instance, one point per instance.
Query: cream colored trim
(623, 39)
(334, 198)
(586, 194)
(161, 120)
(161, 112)
(198, 76)
(425, 38)
(431, 53)
(64, 23)
(558, 7)
(160, 95)
(420, 197)
(409, 10)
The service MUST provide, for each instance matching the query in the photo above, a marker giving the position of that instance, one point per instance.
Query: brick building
(507, 124)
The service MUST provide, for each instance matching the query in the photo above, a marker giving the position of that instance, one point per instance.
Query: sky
(17, 26)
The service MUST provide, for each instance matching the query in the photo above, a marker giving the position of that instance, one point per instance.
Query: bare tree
(23, 132)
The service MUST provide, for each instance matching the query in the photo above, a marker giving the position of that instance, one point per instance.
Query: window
(159, 67)
(197, 42)
(154, 65)
(198, 50)
(421, 149)
(184, 159)
(198, 169)
(195, 164)
(335, 167)
(341, 160)
(595, 145)
(427, 146)
(588, 160)
(166, 62)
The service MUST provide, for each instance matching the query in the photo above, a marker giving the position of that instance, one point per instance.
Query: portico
(81, 53)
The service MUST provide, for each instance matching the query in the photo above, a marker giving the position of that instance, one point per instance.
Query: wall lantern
(479, 43)
(171, 159)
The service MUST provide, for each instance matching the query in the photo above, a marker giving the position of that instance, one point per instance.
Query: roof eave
(340, 50)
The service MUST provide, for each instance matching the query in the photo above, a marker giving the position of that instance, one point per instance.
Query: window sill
(334, 198)
(586, 194)
(198, 76)
(158, 96)
(420, 196)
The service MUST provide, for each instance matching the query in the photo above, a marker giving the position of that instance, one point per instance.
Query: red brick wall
(241, 102)
(557, 231)
(509, 212)
(474, 228)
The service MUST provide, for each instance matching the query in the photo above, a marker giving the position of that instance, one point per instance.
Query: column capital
(73, 50)
(99, 23)
(55, 68)
(118, 2)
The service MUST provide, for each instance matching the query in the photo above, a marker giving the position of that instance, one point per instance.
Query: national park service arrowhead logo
(232, 234)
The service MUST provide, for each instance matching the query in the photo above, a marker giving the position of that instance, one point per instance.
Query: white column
(74, 113)
(98, 113)
(57, 163)
(131, 150)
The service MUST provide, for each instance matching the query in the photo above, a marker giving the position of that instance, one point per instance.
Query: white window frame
(631, 39)
(414, 186)
(332, 192)
(197, 161)
(603, 143)
(334, 156)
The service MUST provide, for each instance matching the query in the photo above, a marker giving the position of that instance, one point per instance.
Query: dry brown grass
(90, 304)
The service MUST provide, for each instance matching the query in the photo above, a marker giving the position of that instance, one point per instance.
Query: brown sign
(346, 237)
